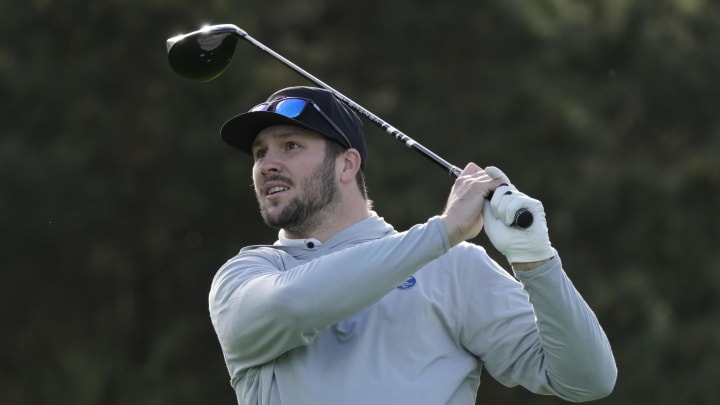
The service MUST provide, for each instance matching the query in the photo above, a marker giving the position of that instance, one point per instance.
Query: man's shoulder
(464, 258)
(465, 251)
(254, 255)
(258, 250)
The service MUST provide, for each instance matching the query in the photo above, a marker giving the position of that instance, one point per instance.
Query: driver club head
(204, 54)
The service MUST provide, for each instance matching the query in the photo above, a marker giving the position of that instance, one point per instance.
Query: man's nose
(270, 163)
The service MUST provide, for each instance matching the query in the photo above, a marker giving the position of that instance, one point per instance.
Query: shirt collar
(370, 228)
(308, 243)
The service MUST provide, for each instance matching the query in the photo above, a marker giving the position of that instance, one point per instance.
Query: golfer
(345, 309)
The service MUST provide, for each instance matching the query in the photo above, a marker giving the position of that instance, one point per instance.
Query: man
(344, 309)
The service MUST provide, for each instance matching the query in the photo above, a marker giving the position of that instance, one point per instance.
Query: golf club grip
(523, 217)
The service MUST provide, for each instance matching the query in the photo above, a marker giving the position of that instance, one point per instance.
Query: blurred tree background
(119, 201)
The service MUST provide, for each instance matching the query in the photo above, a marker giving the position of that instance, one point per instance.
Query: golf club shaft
(522, 219)
(409, 142)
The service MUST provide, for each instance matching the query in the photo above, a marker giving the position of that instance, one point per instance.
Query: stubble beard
(304, 213)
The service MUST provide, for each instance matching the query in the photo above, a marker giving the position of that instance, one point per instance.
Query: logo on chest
(407, 284)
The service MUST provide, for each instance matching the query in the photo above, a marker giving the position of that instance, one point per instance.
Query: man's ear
(351, 162)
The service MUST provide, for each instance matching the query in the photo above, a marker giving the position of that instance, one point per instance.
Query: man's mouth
(276, 189)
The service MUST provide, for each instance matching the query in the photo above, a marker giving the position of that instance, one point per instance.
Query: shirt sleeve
(263, 304)
(537, 332)
(579, 363)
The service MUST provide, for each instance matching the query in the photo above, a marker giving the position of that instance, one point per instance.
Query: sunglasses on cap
(292, 107)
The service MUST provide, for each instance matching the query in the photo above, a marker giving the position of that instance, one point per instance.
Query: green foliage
(119, 201)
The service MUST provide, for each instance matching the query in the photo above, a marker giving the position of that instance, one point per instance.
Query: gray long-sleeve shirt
(374, 316)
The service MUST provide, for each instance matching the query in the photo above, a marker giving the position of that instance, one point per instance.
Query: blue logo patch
(409, 283)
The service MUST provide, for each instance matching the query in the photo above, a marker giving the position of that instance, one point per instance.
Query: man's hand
(524, 248)
(463, 215)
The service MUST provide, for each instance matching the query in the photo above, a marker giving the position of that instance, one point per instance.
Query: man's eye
(259, 153)
(291, 145)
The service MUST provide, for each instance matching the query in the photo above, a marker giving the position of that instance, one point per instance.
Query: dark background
(118, 201)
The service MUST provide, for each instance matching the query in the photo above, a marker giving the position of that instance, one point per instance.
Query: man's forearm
(579, 360)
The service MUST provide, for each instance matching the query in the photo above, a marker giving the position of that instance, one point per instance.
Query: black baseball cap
(241, 130)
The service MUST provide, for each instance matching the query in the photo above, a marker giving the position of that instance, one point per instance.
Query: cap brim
(241, 130)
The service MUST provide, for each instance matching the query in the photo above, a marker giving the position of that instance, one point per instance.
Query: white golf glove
(518, 245)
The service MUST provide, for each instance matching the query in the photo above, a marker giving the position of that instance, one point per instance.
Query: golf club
(205, 54)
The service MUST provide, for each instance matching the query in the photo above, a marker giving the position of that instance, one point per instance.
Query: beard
(304, 213)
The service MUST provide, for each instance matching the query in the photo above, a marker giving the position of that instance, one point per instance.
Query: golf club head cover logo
(407, 284)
